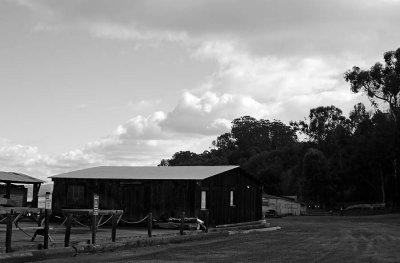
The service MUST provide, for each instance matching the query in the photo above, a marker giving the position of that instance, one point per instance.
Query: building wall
(168, 198)
(164, 198)
(247, 198)
(282, 207)
(18, 193)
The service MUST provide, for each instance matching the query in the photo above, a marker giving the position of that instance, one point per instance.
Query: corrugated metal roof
(147, 172)
(18, 178)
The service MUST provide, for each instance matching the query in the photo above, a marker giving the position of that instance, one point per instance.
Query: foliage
(322, 124)
(316, 184)
(343, 159)
(381, 83)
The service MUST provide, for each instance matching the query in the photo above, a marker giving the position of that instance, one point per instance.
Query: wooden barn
(224, 194)
(13, 191)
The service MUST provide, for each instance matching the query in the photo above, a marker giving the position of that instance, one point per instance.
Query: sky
(89, 83)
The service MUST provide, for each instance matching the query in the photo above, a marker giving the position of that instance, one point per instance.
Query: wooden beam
(90, 212)
(35, 195)
(19, 210)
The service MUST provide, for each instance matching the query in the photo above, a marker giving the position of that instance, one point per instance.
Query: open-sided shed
(224, 194)
(14, 193)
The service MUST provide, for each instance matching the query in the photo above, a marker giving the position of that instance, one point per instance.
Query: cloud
(286, 27)
(24, 159)
(134, 33)
(210, 113)
(139, 141)
(284, 88)
(271, 59)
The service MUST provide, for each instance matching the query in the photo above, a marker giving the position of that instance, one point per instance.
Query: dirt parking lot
(301, 239)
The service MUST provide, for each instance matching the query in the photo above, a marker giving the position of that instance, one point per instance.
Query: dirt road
(301, 239)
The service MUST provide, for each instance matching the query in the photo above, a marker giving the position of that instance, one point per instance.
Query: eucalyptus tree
(381, 83)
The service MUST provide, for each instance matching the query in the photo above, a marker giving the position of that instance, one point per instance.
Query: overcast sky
(88, 83)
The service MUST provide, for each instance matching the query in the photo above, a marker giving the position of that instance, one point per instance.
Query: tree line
(338, 159)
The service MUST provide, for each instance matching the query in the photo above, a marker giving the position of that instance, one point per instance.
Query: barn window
(75, 194)
(231, 198)
(203, 199)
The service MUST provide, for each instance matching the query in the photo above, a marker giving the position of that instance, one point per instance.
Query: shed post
(35, 195)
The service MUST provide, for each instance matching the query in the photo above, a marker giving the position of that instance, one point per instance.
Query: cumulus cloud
(273, 59)
(24, 159)
(139, 141)
(210, 113)
(284, 88)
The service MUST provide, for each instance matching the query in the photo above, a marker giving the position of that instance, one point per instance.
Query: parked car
(270, 213)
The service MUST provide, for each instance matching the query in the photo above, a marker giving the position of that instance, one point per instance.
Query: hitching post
(9, 220)
(182, 223)
(68, 225)
(150, 224)
(94, 218)
(114, 226)
(47, 207)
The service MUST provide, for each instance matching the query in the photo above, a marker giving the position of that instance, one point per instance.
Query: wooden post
(114, 226)
(46, 229)
(96, 202)
(94, 229)
(150, 224)
(68, 225)
(9, 232)
(206, 219)
(182, 223)
(35, 195)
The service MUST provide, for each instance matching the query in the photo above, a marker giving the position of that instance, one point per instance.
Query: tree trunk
(396, 182)
(382, 186)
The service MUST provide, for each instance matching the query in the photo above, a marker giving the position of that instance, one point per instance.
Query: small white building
(282, 205)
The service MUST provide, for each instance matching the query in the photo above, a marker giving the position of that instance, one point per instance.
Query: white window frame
(203, 200)
(232, 197)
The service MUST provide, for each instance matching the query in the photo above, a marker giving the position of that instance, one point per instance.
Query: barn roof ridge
(147, 172)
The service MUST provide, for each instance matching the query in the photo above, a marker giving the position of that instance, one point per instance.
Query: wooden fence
(12, 215)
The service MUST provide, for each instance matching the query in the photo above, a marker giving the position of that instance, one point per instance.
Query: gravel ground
(301, 239)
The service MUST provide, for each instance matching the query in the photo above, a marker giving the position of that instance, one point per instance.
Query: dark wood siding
(247, 197)
(164, 198)
(168, 198)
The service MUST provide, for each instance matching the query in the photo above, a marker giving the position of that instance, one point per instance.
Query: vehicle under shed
(217, 194)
